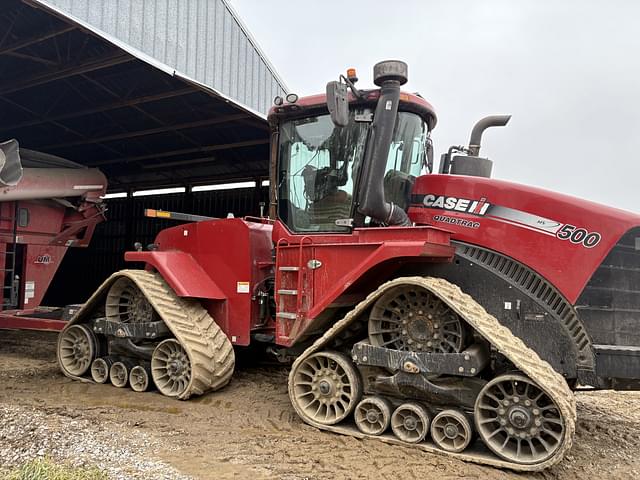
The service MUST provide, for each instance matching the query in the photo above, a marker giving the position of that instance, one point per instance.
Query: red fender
(181, 272)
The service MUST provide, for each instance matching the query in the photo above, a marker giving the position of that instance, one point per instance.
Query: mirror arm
(353, 88)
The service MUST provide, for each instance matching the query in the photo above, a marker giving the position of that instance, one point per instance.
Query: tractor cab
(349, 158)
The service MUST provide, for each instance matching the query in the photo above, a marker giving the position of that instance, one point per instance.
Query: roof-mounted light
(292, 98)
(278, 101)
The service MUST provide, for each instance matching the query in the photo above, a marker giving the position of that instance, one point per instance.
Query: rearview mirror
(337, 103)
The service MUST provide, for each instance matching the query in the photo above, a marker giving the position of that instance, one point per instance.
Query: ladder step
(285, 291)
(287, 315)
(289, 269)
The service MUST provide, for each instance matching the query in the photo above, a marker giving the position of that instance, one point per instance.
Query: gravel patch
(30, 433)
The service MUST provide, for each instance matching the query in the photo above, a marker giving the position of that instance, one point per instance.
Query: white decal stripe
(515, 224)
(525, 218)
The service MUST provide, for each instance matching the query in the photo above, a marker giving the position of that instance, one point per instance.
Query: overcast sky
(568, 72)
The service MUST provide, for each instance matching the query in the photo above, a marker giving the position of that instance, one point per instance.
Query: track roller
(451, 431)
(373, 415)
(325, 388)
(119, 373)
(100, 369)
(410, 422)
(139, 378)
(77, 348)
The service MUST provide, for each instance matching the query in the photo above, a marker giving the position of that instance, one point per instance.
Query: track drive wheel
(373, 415)
(451, 431)
(410, 422)
(517, 420)
(77, 348)
(325, 388)
(411, 318)
(170, 368)
(127, 303)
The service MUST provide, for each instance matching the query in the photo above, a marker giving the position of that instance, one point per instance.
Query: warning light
(351, 75)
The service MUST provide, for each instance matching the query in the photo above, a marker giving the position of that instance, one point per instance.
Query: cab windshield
(319, 164)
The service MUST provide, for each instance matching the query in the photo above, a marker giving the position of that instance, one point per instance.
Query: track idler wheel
(325, 388)
(517, 420)
(171, 368)
(100, 369)
(77, 348)
(451, 431)
(139, 378)
(373, 415)
(410, 422)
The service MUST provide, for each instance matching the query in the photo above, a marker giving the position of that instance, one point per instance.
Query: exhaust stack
(481, 126)
(471, 163)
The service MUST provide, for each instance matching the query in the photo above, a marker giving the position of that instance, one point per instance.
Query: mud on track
(249, 429)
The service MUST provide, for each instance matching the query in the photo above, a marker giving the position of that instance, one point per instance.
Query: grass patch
(47, 469)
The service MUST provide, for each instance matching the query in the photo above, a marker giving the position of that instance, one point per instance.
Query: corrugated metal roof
(69, 89)
(203, 40)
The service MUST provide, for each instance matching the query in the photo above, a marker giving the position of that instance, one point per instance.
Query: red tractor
(449, 311)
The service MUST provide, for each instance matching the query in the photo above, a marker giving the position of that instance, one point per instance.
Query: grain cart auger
(47, 204)
(447, 311)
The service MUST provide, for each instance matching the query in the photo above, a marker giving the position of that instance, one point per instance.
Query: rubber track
(210, 351)
(524, 358)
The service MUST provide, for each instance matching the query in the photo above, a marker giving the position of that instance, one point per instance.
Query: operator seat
(327, 203)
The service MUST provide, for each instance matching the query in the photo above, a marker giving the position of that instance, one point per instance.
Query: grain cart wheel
(518, 420)
(326, 388)
(410, 422)
(170, 368)
(139, 378)
(373, 415)
(451, 431)
(410, 318)
(127, 303)
(77, 348)
(100, 369)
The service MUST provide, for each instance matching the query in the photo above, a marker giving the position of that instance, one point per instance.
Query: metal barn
(156, 94)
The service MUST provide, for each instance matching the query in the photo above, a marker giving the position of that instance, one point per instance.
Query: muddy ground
(249, 430)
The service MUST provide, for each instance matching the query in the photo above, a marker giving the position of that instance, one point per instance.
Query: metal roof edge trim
(254, 42)
(221, 95)
(147, 58)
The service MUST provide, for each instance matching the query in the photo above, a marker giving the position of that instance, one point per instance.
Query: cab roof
(408, 102)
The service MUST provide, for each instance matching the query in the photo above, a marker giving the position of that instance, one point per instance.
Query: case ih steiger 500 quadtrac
(450, 311)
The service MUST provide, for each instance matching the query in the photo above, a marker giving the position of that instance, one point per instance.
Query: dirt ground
(249, 430)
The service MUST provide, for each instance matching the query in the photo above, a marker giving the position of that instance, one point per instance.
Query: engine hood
(561, 237)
